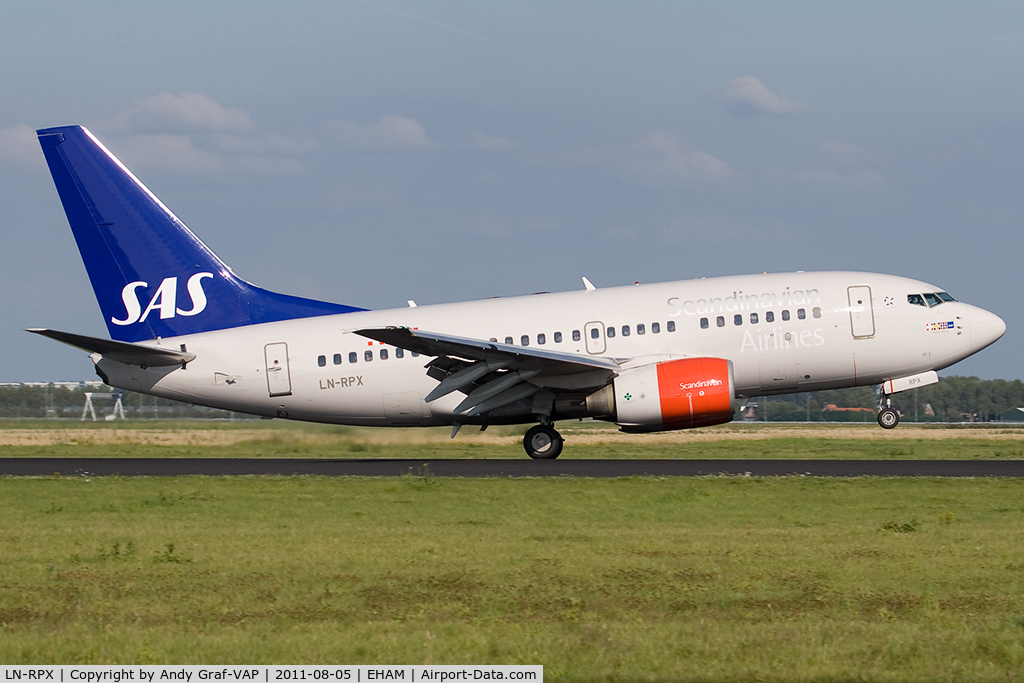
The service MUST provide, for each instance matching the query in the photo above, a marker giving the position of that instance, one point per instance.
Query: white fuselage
(784, 333)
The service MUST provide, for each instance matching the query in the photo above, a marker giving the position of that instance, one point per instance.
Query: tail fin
(151, 275)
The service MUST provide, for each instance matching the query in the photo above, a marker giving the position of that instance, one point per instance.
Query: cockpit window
(929, 299)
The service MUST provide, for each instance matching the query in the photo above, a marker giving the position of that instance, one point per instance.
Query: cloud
(724, 229)
(390, 134)
(748, 96)
(490, 143)
(661, 157)
(846, 153)
(857, 180)
(448, 28)
(192, 134)
(181, 154)
(261, 144)
(658, 159)
(187, 112)
(170, 152)
(621, 232)
(500, 226)
(19, 144)
(971, 150)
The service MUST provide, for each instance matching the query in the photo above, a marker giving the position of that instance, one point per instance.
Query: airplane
(652, 357)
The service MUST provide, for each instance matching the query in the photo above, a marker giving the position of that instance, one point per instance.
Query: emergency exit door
(862, 317)
(279, 379)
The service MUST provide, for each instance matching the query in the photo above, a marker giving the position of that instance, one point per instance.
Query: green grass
(789, 449)
(282, 439)
(599, 580)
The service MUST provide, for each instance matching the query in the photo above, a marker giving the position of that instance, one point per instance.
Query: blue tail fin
(152, 276)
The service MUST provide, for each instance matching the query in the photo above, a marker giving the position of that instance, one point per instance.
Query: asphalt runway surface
(175, 467)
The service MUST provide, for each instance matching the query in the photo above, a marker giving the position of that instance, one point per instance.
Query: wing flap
(494, 375)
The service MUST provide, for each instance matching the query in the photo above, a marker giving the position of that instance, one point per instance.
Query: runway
(176, 467)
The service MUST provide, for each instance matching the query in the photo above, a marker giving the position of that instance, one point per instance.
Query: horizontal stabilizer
(123, 352)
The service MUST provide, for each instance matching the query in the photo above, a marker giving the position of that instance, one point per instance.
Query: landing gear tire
(888, 418)
(543, 443)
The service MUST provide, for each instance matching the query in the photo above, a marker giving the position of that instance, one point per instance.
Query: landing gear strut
(542, 442)
(888, 418)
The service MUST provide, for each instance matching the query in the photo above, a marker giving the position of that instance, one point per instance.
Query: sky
(368, 153)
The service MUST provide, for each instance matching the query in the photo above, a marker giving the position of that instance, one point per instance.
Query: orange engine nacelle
(678, 394)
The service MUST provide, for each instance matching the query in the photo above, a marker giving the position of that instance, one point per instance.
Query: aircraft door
(594, 335)
(279, 379)
(862, 317)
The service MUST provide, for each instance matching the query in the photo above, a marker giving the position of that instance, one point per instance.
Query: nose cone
(986, 328)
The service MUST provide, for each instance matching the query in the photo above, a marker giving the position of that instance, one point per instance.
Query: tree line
(953, 399)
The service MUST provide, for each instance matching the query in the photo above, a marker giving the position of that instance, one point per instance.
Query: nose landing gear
(543, 442)
(888, 418)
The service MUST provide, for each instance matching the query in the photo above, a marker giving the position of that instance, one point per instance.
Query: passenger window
(655, 328)
(399, 353)
(625, 330)
(353, 357)
(415, 355)
(753, 318)
(558, 337)
(576, 335)
(801, 314)
(737, 319)
(611, 332)
(542, 338)
(508, 340)
(493, 339)
(720, 321)
(671, 326)
(640, 329)
(525, 340)
(368, 355)
(383, 354)
(785, 314)
(595, 333)
(321, 361)
(703, 323)
(816, 312)
(337, 359)
(769, 317)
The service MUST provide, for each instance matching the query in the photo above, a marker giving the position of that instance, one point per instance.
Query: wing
(132, 354)
(494, 374)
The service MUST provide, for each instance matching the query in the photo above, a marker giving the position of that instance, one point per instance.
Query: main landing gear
(888, 418)
(542, 442)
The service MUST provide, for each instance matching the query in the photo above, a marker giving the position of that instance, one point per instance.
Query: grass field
(634, 579)
(276, 439)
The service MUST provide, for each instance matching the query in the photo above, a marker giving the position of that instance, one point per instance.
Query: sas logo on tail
(165, 300)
